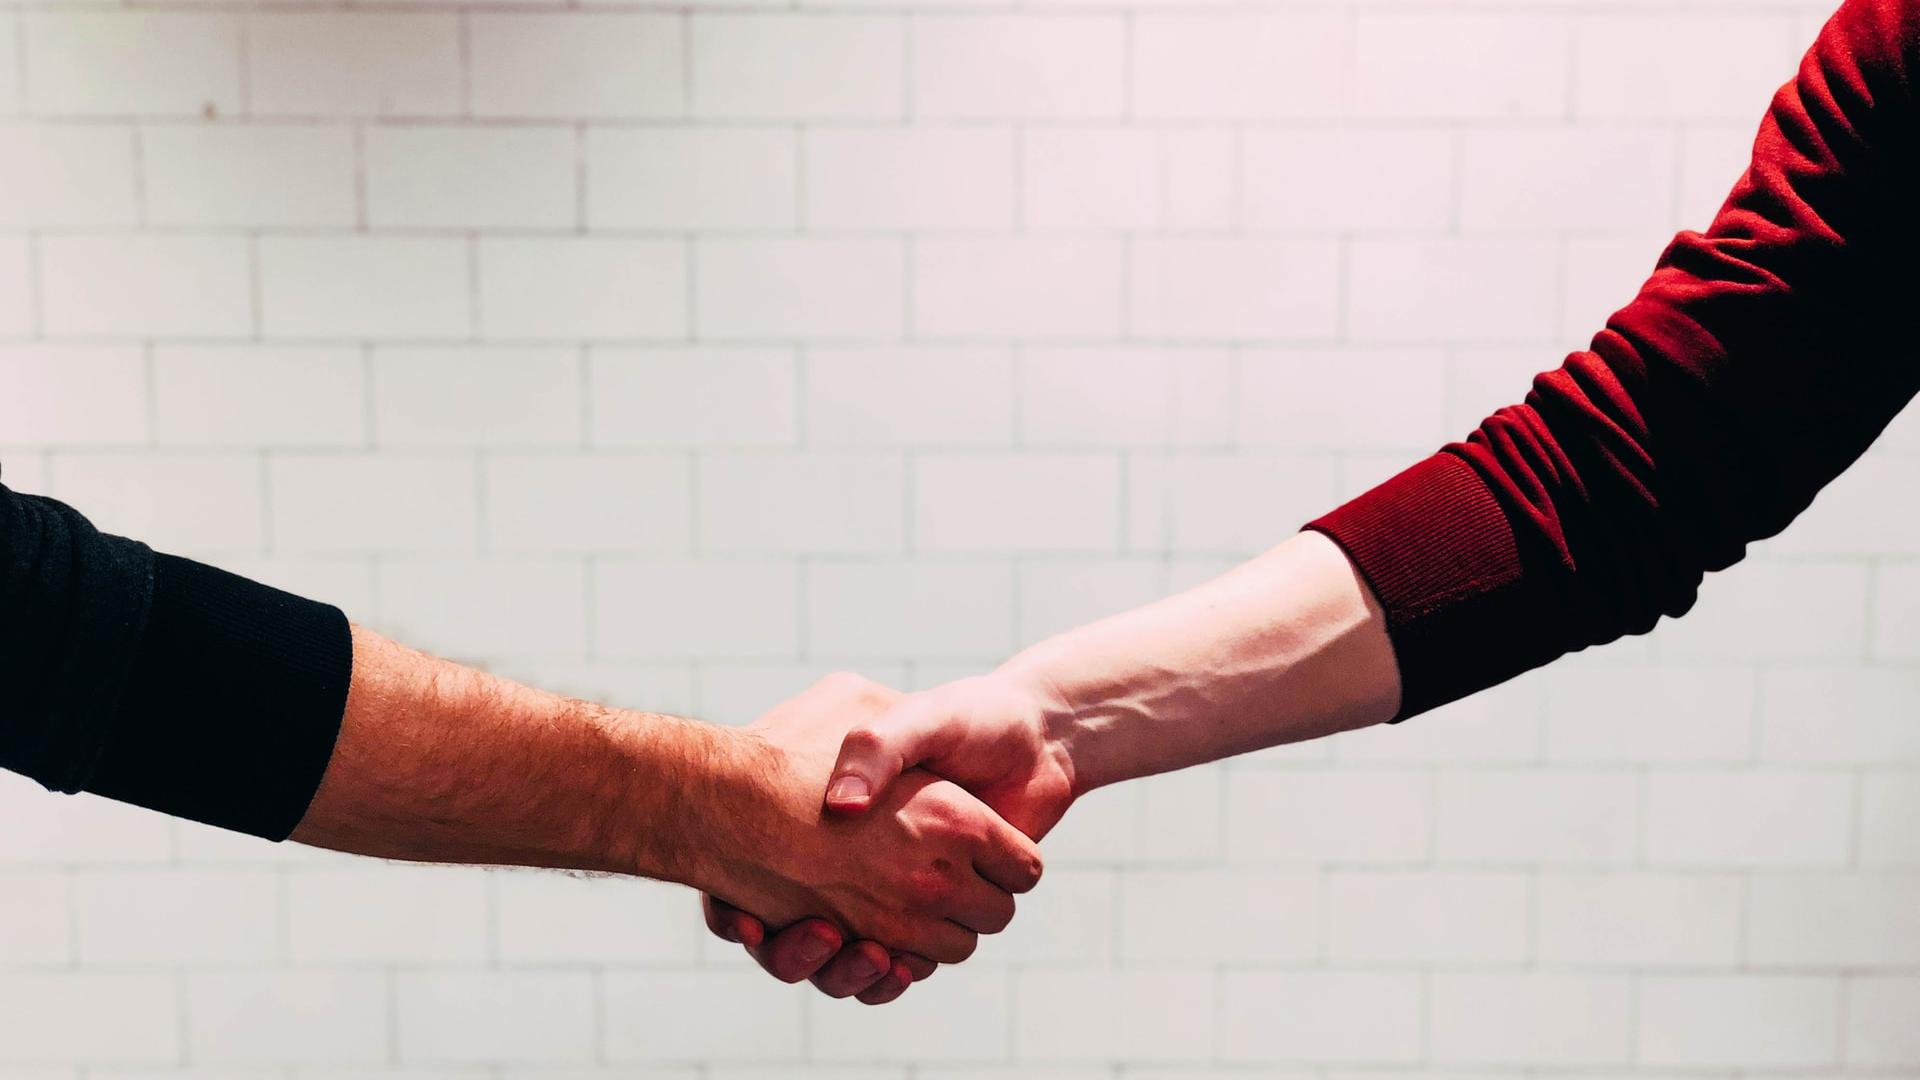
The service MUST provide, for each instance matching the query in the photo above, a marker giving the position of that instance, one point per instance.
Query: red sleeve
(1758, 362)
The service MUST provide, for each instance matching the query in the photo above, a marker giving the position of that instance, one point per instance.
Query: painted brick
(492, 1016)
(317, 1017)
(56, 1016)
(1887, 807)
(1722, 1021)
(1460, 66)
(909, 396)
(72, 395)
(1880, 1031)
(1240, 66)
(1371, 816)
(1234, 288)
(1119, 177)
(389, 502)
(1337, 1016)
(1838, 715)
(468, 397)
(1547, 816)
(173, 63)
(325, 63)
(361, 287)
(844, 287)
(1596, 919)
(536, 64)
(847, 503)
(1528, 178)
(676, 1016)
(1028, 286)
(1642, 65)
(1059, 502)
(773, 65)
(1739, 818)
(1368, 178)
(884, 178)
(183, 502)
(124, 286)
(692, 178)
(878, 609)
(448, 606)
(265, 175)
(548, 503)
(1860, 921)
(546, 918)
(1428, 289)
(1031, 65)
(692, 397)
(1114, 1016)
(37, 925)
(1426, 917)
(732, 609)
(259, 395)
(421, 177)
(67, 175)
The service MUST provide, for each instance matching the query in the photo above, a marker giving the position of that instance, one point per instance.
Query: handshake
(933, 803)
(876, 834)
(855, 836)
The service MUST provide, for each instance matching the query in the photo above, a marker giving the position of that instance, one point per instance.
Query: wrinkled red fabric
(1759, 360)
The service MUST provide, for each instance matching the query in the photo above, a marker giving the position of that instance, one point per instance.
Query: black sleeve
(159, 681)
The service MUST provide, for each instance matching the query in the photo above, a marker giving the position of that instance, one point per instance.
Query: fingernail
(849, 789)
(816, 949)
(865, 968)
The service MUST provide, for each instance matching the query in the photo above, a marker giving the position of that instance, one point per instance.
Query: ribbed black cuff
(232, 707)
(1436, 548)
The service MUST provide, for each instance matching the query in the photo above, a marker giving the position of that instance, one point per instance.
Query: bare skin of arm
(441, 763)
(1288, 647)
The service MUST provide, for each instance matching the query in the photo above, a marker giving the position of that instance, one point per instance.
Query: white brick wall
(675, 354)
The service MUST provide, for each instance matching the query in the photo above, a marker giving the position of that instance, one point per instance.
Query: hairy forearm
(1290, 646)
(441, 763)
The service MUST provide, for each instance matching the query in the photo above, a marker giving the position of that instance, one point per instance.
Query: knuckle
(963, 947)
(839, 684)
(833, 987)
(996, 920)
(930, 886)
(863, 739)
(852, 683)
(1032, 868)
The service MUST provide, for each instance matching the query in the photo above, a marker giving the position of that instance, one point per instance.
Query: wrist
(677, 798)
(1061, 705)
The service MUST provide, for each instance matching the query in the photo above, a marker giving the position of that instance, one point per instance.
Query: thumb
(874, 753)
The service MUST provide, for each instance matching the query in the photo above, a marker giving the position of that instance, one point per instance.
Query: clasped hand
(927, 830)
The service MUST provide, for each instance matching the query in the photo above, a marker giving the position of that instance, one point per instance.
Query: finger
(892, 986)
(873, 754)
(1008, 858)
(919, 966)
(980, 907)
(855, 970)
(799, 951)
(940, 940)
(729, 923)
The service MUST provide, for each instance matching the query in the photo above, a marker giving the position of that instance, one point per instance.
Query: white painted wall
(676, 355)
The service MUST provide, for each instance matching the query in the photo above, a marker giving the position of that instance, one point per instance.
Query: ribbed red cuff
(1438, 552)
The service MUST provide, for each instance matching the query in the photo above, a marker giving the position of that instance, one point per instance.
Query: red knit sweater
(1758, 362)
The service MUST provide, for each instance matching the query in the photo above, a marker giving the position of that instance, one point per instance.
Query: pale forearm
(1290, 646)
(441, 763)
